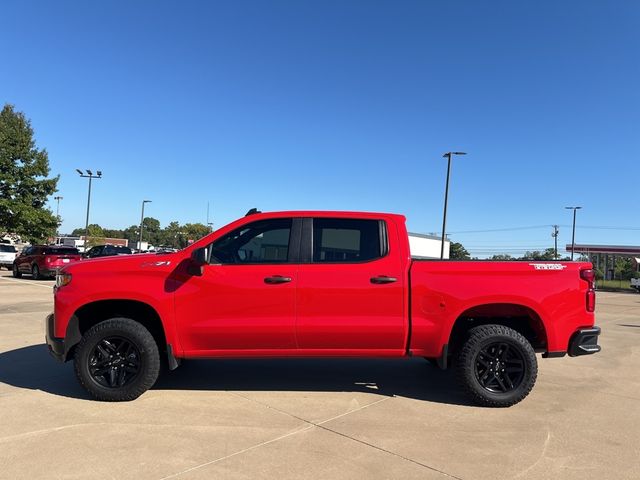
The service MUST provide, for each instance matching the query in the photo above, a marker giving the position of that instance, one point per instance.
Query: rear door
(350, 291)
(26, 258)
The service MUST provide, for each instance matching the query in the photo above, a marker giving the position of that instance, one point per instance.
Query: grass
(614, 284)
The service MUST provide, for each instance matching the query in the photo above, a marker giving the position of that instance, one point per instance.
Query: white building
(427, 246)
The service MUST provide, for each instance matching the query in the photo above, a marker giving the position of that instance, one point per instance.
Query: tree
(501, 258)
(624, 268)
(458, 252)
(195, 231)
(151, 230)
(548, 254)
(132, 234)
(24, 188)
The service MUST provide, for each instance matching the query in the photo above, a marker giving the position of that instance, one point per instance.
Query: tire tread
(466, 368)
(148, 348)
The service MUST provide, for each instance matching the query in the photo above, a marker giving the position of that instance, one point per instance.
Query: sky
(338, 105)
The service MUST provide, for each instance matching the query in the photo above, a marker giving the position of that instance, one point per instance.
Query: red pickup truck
(318, 284)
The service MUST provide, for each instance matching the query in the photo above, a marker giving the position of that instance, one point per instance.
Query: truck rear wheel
(117, 360)
(497, 366)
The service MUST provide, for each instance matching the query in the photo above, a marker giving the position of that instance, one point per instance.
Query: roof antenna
(253, 211)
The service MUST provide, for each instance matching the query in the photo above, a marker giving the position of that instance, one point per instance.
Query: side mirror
(198, 261)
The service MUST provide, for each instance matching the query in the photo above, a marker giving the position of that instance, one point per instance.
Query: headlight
(63, 279)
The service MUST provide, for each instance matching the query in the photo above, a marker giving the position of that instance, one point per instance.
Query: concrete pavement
(297, 419)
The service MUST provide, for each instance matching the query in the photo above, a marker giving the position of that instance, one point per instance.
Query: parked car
(44, 260)
(106, 251)
(635, 283)
(7, 255)
(319, 284)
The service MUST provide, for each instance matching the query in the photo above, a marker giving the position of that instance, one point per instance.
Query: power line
(501, 229)
(533, 227)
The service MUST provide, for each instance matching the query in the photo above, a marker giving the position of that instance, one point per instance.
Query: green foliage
(458, 252)
(501, 258)
(548, 254)
(95, 230)
(624, 268)
(24, 188)
(173, 235)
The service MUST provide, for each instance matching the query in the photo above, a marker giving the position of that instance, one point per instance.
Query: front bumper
(56, 345)
(584, 342)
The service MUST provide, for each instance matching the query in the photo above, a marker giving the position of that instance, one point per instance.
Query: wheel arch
(97, 311)
(520, 318)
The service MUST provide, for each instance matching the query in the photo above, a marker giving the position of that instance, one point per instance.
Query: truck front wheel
(117, 360)
(497, 366)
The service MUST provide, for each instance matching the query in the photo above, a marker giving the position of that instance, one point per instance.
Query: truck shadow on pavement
(32, 368)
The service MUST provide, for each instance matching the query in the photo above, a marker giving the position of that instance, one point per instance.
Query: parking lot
(338, 419)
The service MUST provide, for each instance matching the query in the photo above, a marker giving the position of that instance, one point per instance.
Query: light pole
(90, 176)
(57, 199)
(141, 223)
(573, 235)
(446, 197)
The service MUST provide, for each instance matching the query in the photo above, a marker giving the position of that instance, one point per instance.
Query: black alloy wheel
(496, 365)
(117, 360)
(114, 362)
(499, 367)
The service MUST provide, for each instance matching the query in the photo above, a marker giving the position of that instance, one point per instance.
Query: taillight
(589, 275)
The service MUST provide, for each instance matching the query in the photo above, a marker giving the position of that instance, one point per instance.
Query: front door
(245, 300)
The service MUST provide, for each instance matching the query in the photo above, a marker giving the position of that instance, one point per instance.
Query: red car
(319, 284)
(44, 260)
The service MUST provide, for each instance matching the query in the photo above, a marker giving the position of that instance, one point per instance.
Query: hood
(125, 263)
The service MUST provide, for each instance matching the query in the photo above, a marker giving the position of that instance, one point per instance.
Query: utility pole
(555, 241)
(90, 176)
(446, 198)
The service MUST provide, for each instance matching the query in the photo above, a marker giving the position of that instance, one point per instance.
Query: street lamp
(90, 176)
(57, 199)
(446, 197)
(573, 235)
(141, 223)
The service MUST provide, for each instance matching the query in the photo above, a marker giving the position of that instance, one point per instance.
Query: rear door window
(341, 240)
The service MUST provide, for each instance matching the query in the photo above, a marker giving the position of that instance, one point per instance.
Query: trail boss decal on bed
(548, 266)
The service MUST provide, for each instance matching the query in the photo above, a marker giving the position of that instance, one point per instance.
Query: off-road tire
(146, 355)
(501, 380)
(16, 272)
